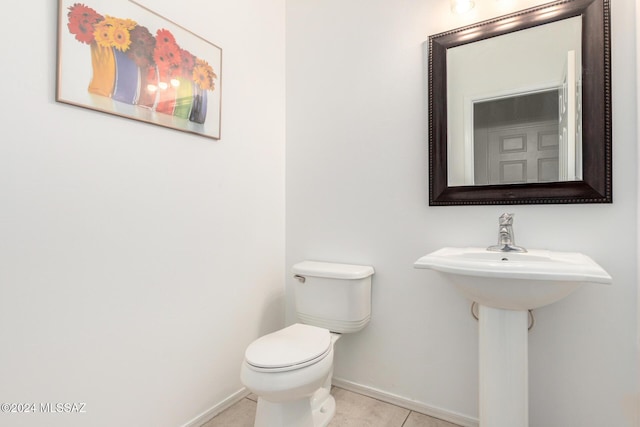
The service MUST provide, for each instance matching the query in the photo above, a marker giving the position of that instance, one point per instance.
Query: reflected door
(519, 154)
(516, 138)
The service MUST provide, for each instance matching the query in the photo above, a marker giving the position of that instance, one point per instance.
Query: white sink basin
(514, 281)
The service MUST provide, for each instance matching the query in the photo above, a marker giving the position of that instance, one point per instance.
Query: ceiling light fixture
(461, 6)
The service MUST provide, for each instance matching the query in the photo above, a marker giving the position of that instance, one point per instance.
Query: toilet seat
(293, 347)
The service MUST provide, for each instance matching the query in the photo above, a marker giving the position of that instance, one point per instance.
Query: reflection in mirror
(518, 83)
(520, 108)
(516, 139)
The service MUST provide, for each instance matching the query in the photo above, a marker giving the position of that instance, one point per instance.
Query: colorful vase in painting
(184, 98)
(166, 95)
(148, 87)
(103, 64)
(127, 85)
(199, 109)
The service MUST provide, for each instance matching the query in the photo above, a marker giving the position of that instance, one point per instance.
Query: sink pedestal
(503, 336)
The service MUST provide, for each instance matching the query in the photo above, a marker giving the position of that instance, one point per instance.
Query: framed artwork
(121, 58)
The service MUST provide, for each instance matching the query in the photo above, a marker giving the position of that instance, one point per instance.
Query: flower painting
(119, 57)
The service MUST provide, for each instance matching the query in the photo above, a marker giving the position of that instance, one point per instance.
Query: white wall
(137, 262)
(357, 186)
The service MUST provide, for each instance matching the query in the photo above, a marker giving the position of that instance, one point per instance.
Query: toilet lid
(289, 347)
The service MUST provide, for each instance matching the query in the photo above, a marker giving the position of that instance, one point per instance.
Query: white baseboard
(207, 415)
(452, 417)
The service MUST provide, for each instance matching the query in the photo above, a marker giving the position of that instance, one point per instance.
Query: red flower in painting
(187, 62)
(142, 46)
(166, 53)
(173, 53)
(82, 20)
(167, 56)
(165, 37)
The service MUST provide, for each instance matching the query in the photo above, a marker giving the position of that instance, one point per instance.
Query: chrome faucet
(506, 239)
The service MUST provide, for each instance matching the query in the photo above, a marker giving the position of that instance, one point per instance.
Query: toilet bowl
(290, 370)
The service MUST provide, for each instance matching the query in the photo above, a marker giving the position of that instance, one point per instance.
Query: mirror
(520, 108)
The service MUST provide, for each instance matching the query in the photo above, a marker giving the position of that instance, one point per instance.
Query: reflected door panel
(517, 154)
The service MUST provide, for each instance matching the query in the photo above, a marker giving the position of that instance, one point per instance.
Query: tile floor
(352, 410)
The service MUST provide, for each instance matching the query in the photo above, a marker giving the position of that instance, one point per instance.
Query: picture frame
(121, 58)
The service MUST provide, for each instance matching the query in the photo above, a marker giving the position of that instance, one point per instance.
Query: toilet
(290, 370)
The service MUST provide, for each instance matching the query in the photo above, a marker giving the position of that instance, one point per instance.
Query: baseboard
(207, 415)
(452, 417)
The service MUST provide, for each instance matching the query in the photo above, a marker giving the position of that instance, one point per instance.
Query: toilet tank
(333, 296)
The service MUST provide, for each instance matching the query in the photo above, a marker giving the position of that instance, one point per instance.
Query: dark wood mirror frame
(596, 186)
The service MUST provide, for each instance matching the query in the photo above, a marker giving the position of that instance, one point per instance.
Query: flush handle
(299, 278)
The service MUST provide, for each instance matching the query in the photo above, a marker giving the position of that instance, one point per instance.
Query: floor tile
(352, 410)
(420, 420)
(356, 410)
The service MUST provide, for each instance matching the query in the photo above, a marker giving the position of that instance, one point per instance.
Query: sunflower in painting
(203, 75)
(114, 32)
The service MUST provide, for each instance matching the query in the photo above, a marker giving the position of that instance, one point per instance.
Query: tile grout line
(406, 419)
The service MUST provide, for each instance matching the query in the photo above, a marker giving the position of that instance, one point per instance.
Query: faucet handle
(506, 219)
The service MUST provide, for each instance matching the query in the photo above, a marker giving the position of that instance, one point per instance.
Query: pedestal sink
(506, 285)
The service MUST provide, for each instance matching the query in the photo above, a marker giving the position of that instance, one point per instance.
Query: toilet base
(325, 412)
(297, 398)
(315, 411)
